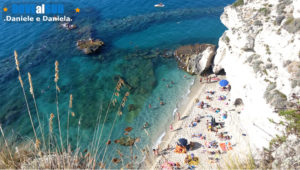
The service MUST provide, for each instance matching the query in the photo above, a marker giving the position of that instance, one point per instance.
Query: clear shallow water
(135, 34)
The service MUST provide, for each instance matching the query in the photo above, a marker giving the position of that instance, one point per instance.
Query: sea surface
(136, 36)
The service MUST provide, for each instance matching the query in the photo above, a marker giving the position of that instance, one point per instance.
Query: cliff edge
(260, 53)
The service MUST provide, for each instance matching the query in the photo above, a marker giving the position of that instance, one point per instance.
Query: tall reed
(36, 108)
(119, 113)
(5, 141)
(54, 155)
(70, 107)
(57, 90)
(25, 97)
(119, 85)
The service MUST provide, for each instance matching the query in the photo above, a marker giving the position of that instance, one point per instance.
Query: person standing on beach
(178, 116)
(154, 151)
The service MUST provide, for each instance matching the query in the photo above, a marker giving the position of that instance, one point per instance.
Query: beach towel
(180, 149)
(226, 146)
(229, 147)
(223, 147)
(192, 160)
(166, 166)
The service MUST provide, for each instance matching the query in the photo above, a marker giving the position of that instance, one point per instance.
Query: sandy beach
(210, 157)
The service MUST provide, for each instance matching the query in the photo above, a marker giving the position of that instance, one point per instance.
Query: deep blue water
(133, 31)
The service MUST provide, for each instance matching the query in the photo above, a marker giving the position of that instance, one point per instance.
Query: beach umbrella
(223, 83)
(182, 142)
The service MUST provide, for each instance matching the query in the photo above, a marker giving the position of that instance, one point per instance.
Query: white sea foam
(174, 111)
(159, 140)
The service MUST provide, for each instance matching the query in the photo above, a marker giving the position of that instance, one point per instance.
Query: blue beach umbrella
(223, 83)
(182, 142)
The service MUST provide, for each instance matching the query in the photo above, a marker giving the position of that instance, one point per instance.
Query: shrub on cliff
(264, 11)
(238, 3)
(293, 121)
(292, 25)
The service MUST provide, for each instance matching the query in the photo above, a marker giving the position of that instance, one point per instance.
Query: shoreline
(179, 105)
(188, 111)
(194, 91)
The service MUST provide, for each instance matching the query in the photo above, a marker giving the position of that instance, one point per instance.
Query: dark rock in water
(131, 107)
(195, 59)
(126, 141)
(89, 46)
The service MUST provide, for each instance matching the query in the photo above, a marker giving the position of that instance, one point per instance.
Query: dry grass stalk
(68, 123)
(119, 113)
(25, 97)
(51, 122)
(37, 144)
(74, 159)
(5, 141)
(96, 131)
(16, 60)
(57, 107)
(36, 108)
(98, 139)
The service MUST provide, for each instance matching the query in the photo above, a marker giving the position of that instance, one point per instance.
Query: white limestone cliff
(260, 54)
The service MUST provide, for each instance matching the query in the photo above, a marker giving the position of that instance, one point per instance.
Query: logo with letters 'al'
(37, 12)
(37, 9)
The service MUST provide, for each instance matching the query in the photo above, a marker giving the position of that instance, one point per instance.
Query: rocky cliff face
(195, 58)
(260, 53)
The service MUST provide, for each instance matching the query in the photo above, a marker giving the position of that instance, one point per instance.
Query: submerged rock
(89, 46)
(126, 141)
(195, 58)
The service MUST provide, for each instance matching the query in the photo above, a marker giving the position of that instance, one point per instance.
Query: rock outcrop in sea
(260, 54)
(195, 58)
(89, 46)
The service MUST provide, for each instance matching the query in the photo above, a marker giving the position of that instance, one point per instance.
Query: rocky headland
(260, 54)
(195, 59)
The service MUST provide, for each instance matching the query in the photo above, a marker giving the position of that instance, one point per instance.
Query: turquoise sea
(136, 36)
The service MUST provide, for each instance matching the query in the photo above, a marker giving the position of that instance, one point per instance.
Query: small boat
(160, 5)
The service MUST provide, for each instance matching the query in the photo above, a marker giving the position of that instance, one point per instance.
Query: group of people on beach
(214, 147)
(209, 79)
